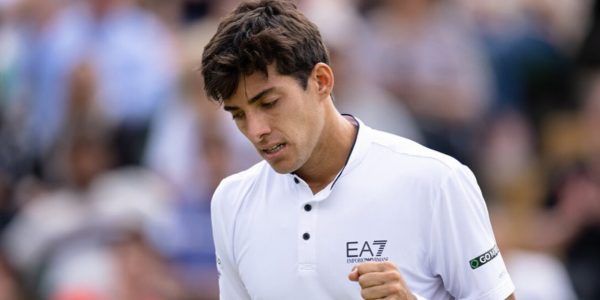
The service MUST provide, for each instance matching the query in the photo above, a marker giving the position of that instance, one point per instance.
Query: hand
(380, 280)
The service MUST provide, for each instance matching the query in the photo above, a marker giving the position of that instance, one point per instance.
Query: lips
(272, 152)
(274, 148)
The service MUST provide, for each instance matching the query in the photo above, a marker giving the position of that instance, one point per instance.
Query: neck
(331, 151)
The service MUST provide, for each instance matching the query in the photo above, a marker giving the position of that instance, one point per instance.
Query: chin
(283, 168)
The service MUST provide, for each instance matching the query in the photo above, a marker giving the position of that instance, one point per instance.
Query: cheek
(299, 121)
(302, 126)
(308, 131)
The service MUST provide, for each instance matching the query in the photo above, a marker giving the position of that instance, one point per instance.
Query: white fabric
(395, 200)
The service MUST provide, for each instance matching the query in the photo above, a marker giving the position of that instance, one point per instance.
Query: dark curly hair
(255, 35)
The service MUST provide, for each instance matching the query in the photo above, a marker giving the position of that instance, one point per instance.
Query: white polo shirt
(394, 200)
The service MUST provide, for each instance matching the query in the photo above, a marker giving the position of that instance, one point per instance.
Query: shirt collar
(358, 151)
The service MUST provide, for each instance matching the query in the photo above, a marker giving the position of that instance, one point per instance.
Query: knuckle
(362, 282)
(359, 268)
(394, 289)
(364, 294)
(389, 264)
(394, 276)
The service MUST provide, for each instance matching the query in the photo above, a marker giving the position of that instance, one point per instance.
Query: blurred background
(110, 151)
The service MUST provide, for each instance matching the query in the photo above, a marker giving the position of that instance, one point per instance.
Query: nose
(257, 127)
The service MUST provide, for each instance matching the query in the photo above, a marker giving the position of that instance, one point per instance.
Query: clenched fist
(380, 280)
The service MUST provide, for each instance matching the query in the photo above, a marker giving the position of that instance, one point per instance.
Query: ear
(323, 77)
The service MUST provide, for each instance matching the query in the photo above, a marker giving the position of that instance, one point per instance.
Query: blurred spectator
(81, 157)
(85, 148)
(137, 72)
(447, 91)
(71, 243)
(364, 99)
(51, 53)
(131, 55)
(529, 44)
(355, 93)
(508, 166)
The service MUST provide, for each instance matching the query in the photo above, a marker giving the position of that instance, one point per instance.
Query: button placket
(307, 235)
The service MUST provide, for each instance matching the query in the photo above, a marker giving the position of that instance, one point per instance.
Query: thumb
(353, 276)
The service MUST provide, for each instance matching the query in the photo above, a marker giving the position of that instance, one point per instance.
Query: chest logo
(364, 251)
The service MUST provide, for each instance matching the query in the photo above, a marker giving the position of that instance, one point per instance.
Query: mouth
(274, 149)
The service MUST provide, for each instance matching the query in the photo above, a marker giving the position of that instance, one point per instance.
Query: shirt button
(296, 180)
(306, 236)
(307, 207)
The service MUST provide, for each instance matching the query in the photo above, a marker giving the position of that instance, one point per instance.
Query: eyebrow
(251, 100)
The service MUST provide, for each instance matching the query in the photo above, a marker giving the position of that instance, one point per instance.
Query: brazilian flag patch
(484, 258)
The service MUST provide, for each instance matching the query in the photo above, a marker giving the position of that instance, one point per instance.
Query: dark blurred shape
(196, 9)
(583, 263)
(576, 196)
(7, 206)
(130, 143)
(589, 52)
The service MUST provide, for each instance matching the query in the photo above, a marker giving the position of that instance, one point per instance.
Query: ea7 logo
(365, 249)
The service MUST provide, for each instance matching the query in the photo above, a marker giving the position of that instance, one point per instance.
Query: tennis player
(336, 210)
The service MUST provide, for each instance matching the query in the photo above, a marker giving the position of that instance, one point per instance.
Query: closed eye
(237, 115)
(269, 104)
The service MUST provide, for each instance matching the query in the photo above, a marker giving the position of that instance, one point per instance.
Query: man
(336, 210)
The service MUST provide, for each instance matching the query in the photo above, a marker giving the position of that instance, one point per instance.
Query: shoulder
(452, 183)
(405, 155)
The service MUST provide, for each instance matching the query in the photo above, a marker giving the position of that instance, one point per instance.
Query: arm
(231, 286)
(462, 246)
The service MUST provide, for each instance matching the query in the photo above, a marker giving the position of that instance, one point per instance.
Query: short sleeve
(463, 248)
(231, 286)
